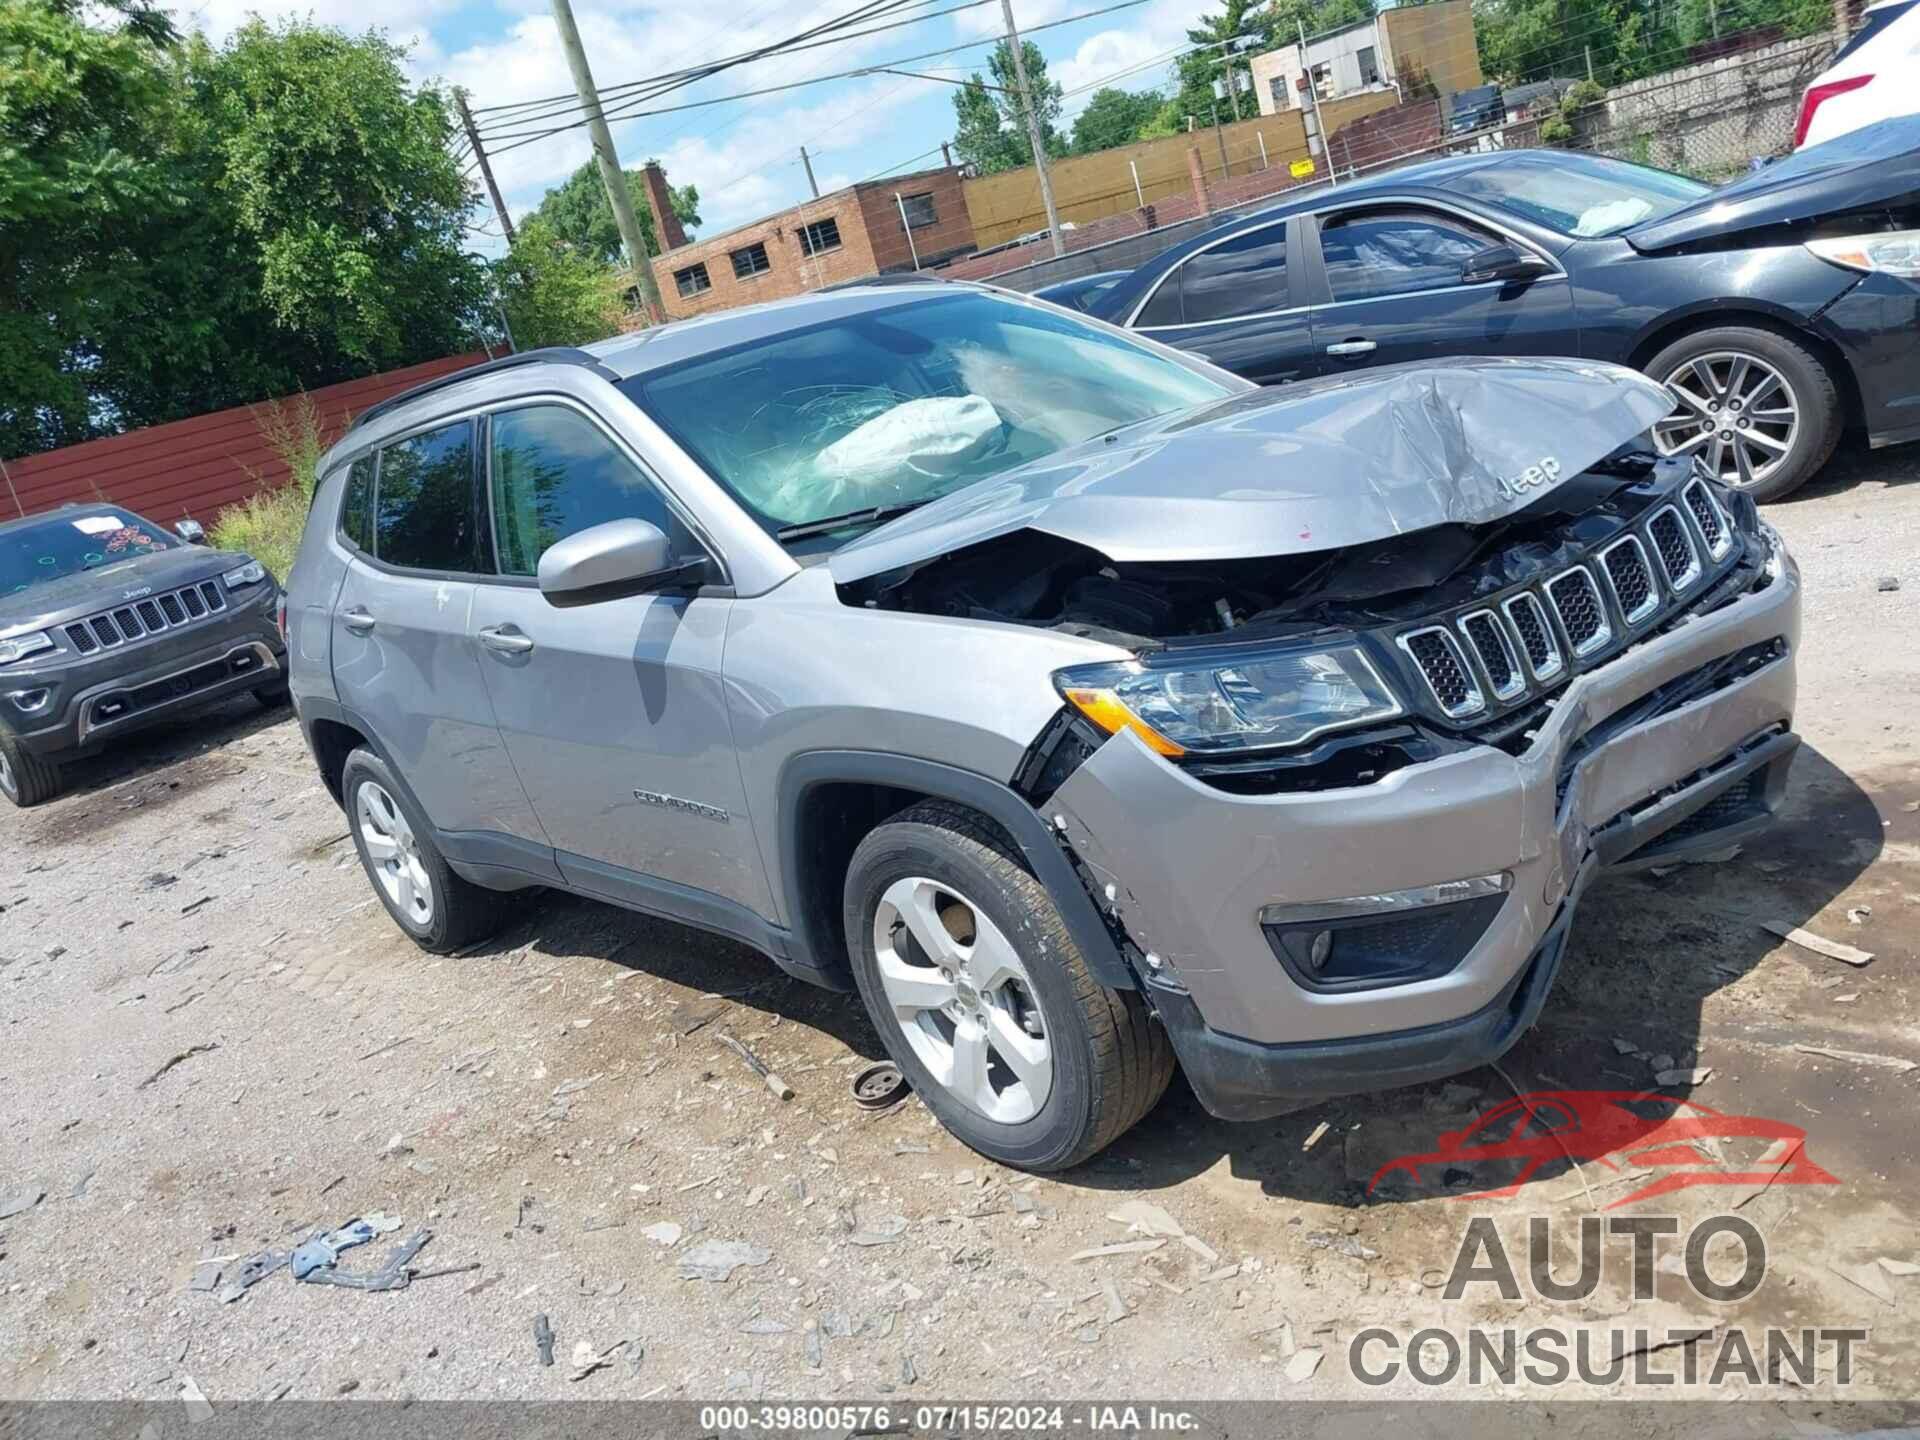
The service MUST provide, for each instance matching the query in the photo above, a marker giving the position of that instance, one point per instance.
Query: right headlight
(1890, 252)
(1249, 701)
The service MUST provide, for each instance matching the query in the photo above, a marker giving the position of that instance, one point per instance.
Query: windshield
(1583, 195)
(67, 544)
(896, 407)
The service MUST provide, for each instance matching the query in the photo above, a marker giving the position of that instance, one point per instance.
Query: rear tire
(26, 779)
(439, 911)
(273, 697)
(1754, 378)
(1018, 980)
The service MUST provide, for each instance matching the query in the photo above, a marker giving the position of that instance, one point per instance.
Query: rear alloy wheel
(1757, 410)
(985, 1002)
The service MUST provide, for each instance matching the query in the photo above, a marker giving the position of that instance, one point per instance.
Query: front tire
(1760, 409)
(25, 779)
(984, 1001)
(439, 911)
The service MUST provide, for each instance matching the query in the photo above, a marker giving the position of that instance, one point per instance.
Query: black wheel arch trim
(1044, 856)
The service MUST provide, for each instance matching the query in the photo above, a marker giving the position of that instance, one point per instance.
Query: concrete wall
(1089, 188)
(1711, 119)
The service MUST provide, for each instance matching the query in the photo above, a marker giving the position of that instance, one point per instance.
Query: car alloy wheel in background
(964, 999)
(1735, 411)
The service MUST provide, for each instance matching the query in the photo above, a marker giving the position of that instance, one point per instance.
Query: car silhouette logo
(1623, 1130)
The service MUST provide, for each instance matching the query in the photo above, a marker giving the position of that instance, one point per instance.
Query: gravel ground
(214, 1042)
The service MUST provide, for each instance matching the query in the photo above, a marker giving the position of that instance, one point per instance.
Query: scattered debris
(194, 905)
(1698, 1075)
(1319, 1133)
(1342, 1244)
(1125, 1247)
(665, 1232)
(543, 1338)
(21, 1199)
(716, 1260)
(1888, 584)
(239, 1278)
(1116, 1307)
(691, 1015)
(586, 1359)
(1807, 940)
(1862, 1057)
(881, 1230)
(390, 1045)
(313, 1260)
(181, 1058)
(1869, 1278)
(602, 1222)
(878, 1086)
(1147, 1218)
(195, 1399)
(1625, 1047)
(1200, 1247)
(765, 1325)
(1859, 914)
(768, 1076)
(1898, 1267)
(1301, 1367)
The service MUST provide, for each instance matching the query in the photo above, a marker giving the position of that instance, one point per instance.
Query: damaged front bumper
(1677, 747)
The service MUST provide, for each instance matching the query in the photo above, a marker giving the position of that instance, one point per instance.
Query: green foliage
(184, 228)
(1269, 25)
(581, 215)
(268, 525)
(1165, 121)
(1624, 39)
(555, 293)
(1114, 117)
(990, 130)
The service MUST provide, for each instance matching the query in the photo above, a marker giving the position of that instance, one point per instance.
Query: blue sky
(744, 156)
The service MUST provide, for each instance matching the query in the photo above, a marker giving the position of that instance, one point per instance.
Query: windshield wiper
(871, 516)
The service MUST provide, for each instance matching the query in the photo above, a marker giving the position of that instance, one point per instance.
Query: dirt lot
(215, 1042)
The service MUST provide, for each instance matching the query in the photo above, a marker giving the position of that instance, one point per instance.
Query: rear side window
(1396, 252)
(1246, 275)
(425, 517)
(554, 472)
(356, 509)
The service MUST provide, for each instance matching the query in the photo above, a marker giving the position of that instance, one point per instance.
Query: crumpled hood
(1874, 165)
(1295, 469)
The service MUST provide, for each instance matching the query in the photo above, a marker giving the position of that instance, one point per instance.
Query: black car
(1084, 293)
(108, 623)
(1779, 309)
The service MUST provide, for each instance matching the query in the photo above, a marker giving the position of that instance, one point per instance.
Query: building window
(1369, 67)
(1323, 81)
(820, 235)
(919, 210)
(750, 262)
(692, 280)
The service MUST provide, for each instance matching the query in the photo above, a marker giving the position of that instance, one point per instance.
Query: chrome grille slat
(1715, 526)
(1537, 642)
(83, 639)
(146, 617)
(196, 607)
(1575, 597)
(1674, 545)
(1631, 578)
(1444, 667)
(1498, 656)
(129, 623)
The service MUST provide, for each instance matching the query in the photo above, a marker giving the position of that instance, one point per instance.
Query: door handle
(359, 619)
(506, 640)
(1352, 347)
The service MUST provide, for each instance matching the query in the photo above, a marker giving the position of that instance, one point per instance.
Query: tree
(1114, 117)
(555, 293)
(990, 133)
(581, 215)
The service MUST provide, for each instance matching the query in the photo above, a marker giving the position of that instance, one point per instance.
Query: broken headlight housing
(1250, 700)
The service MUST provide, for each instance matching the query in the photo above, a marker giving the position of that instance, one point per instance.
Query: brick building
(845, 235)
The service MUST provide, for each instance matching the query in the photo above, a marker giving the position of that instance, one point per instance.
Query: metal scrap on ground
(1807, 940)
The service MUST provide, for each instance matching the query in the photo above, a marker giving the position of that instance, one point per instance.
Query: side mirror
(191, 532)
(1503, 262)
(606, 562)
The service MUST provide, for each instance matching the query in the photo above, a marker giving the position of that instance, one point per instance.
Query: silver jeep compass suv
(1082, 706)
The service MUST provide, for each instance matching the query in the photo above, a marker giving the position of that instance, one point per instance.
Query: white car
(1876, 76)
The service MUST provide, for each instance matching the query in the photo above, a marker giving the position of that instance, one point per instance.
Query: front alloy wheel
(1736, 411)
(393, 855)
(964, 999)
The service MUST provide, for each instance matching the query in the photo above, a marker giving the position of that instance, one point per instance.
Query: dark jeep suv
(108, 623)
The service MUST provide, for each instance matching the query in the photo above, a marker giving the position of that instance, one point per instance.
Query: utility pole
(812, 184)
(1233, 88)
(946, 154)
(486, 166)
(611, 175)
(1221, 136)
(1313, 99)
(1033, 127)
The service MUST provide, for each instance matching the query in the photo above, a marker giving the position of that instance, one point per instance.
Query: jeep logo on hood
(136, 594)
(1534, 477)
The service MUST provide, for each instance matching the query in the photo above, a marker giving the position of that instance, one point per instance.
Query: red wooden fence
(193, 467)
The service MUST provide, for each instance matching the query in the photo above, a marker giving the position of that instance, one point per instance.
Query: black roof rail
(547, 355)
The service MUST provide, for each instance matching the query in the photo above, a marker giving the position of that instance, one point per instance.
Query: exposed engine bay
(1031, 578)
